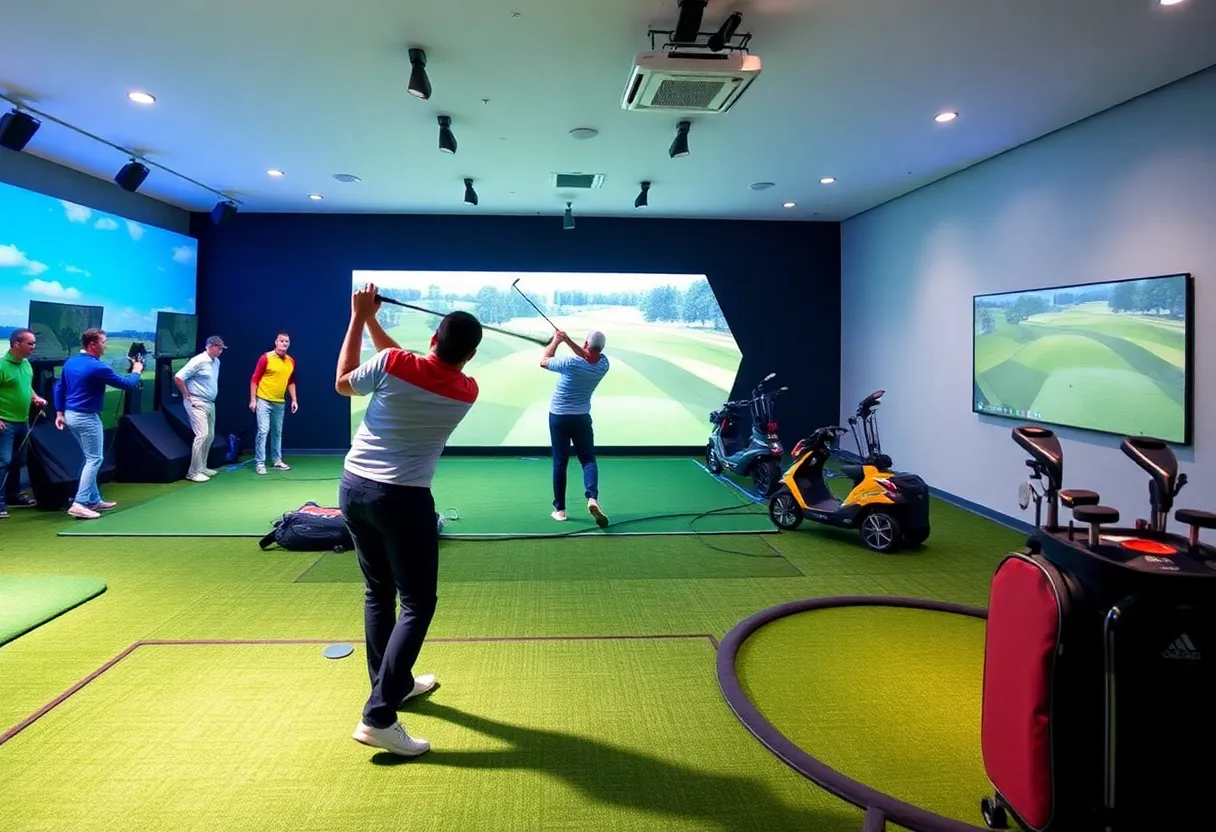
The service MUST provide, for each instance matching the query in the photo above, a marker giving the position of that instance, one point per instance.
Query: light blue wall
(35, 174)
(1128, 193)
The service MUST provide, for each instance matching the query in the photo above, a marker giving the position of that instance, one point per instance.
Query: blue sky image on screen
(673, 358)
(54, 250)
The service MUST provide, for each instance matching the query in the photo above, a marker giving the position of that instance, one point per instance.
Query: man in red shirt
(385, 497)
(273, 378)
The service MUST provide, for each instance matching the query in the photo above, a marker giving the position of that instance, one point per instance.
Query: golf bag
(1097, 695)
(310, 528)
(313, 528)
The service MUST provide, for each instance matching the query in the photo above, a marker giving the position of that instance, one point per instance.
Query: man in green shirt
(16, 395)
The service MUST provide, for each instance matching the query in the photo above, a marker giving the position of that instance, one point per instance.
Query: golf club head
(770, 376)
(514, 282)
(1024, 495)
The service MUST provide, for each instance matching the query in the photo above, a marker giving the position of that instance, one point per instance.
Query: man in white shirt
(385, 497)
(199, 383)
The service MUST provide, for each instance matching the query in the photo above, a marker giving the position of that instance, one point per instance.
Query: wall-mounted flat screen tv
(1114, 357)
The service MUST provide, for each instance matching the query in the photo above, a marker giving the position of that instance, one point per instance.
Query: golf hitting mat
(480, 498)
(29, 602)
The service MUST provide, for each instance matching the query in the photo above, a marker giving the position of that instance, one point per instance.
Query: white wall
(1128, 193)
(35, 174)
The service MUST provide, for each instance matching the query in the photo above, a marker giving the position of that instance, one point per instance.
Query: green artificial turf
(529, 734)
(887, 696)
(501, 496)
(28, 601)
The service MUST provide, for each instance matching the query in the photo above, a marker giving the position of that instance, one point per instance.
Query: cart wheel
(880, 531)
(784, 511)
(712, 464)
(994, 814)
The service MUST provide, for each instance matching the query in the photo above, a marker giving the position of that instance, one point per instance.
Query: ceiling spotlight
(827, 180)
(131, 176)
(679, 147)
(347, 177)
(274, 172)
(584, 133)
(316, 197)
(470, 195)
(16, 130)
(761, 186)
(141, 97)
(788, 204)
(719, 39)
(568, 220)
(942, 118)
(1170, 2)
(447, 139)
(420, 84)
(642, 201)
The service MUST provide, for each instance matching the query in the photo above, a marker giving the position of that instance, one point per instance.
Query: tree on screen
(1024, 307)
(661, 303)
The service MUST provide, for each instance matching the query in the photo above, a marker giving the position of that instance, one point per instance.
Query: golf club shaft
(515, 286)
(535, 339)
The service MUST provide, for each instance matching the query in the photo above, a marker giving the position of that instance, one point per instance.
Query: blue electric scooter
(747, 450)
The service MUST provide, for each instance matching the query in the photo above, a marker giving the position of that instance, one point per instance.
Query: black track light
(223, 211)
(719, 39)
(568, 220)
(679, 147)
(447, 139)
(470, 195)
(16, 129)
(131, 176)
(642, 201)
(420, 84)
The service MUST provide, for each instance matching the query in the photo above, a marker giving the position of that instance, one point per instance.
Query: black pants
(564, 431)
(397, 540)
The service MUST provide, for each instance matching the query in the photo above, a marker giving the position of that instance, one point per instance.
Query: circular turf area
(883, 693)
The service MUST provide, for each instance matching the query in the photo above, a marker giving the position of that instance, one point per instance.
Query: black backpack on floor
(310, 528)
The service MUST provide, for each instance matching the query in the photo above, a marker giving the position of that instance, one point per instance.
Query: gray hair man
(199, 383)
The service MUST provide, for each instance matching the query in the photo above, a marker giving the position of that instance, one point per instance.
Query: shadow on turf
(611, 775)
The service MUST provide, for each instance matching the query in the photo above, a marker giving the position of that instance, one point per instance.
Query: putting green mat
(28, 602)
(495, 496)
(888, 696)
(591, 734)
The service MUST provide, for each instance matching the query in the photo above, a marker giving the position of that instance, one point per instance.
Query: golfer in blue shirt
(79, 398)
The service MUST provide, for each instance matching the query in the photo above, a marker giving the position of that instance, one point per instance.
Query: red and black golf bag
(1099, 697)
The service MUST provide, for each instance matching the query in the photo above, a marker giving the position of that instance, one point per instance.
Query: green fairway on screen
(1109, 357)
(672, 358)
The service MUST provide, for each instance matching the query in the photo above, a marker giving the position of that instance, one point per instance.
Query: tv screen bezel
(192, 351)
(1189, 348)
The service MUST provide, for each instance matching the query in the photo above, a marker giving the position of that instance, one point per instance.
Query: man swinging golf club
(570, 416)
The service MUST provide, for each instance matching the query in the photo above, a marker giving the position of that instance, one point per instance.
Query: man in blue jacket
(79, 398)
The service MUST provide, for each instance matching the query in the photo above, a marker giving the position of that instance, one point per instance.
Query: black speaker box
(16, 129)
(54, 462)
(149, 450)
(223, 212)
(131, 176)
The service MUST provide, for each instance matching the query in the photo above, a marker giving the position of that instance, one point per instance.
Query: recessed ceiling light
(584, 133)
(789, 204)
(315, 196)
(347, 177)
(273, 172)
(1170, 2)
(761, 186)
(827, 180)
(141, 97)
(942, 118)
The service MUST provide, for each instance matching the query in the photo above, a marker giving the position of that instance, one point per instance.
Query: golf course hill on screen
(1109, 357)
(672, 357)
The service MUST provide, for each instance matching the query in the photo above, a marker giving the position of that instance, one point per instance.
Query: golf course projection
(672, 357)
(1108, 357)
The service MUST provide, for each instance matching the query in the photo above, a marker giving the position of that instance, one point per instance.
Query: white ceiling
(317, 87)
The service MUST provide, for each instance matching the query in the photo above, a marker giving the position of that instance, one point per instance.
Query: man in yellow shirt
(274, 376)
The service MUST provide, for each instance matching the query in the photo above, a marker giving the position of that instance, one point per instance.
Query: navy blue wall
(778, 284)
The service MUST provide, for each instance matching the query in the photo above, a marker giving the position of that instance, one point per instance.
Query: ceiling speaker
(131, 176)
(223, 212)
(16, 129)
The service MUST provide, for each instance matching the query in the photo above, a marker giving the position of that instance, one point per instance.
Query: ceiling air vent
(577, 181)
